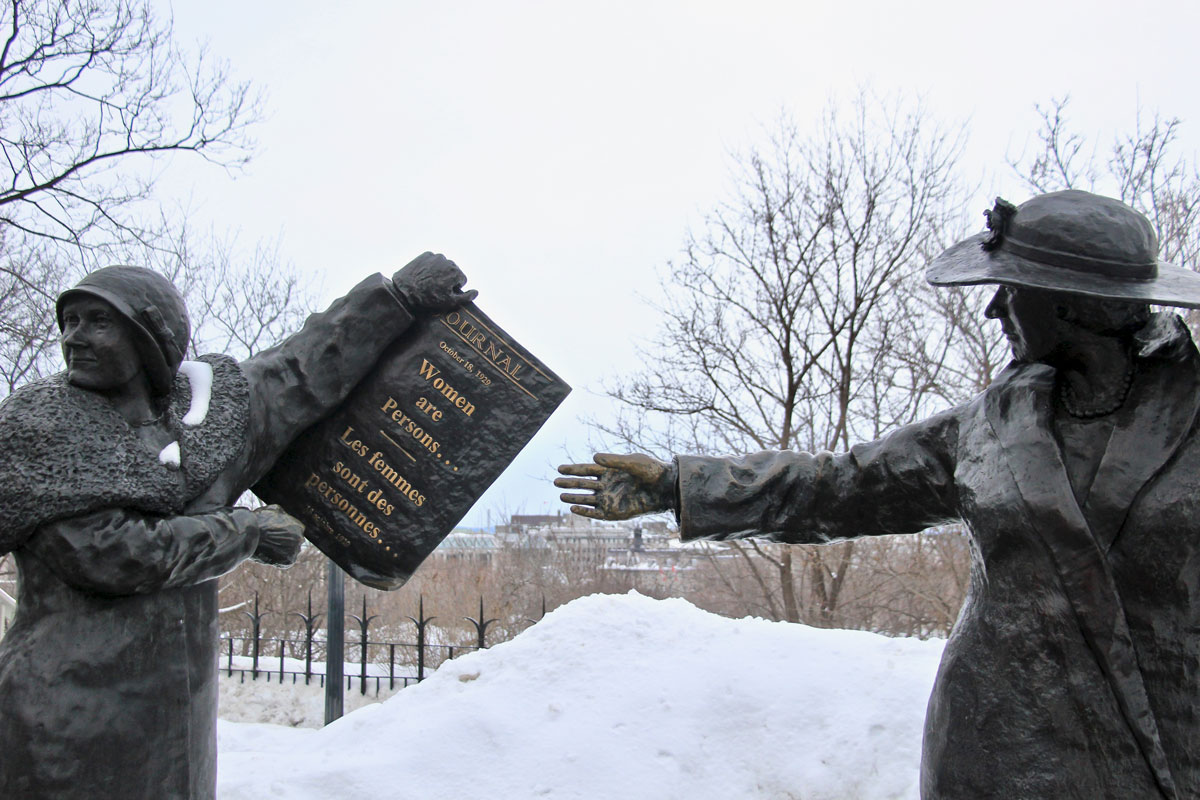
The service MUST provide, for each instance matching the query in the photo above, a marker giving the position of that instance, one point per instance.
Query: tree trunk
(791, 611)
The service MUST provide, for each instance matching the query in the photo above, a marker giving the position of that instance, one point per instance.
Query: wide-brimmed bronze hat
(1069, 241)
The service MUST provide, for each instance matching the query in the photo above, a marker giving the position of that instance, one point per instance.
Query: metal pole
(335, 654)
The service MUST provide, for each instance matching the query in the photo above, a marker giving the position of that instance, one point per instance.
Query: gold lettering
(410, 426)
(429, 373)
(427, 370)
(349, 476)
(395, 478)
(423, 404)
(466, 406)
(355, 445)
(377, 497)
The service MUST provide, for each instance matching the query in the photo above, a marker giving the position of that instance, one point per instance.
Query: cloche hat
(1070, 241)
(154, 308)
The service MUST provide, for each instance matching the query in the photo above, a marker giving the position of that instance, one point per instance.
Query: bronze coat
(108, 673)
(1074, 668)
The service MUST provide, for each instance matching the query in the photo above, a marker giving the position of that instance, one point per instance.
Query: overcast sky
(559, 151)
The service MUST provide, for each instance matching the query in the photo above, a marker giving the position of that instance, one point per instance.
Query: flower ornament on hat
(998, 219)
(1071, 241)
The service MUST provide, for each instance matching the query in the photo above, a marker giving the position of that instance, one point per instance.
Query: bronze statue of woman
(1073, 670)
(116, 481)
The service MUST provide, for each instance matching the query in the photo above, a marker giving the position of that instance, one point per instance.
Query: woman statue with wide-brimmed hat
(1074, 668)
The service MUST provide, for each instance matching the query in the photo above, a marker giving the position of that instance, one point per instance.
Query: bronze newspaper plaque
(380, 482)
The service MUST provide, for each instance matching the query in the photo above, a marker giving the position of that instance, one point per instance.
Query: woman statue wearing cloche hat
(1074, 668)
(117, 478)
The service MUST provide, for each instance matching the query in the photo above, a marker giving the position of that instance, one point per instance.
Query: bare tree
(90, 92)
(93, 93)
(799, 317)
(28, 331)
(240, 301)
(1060, 159)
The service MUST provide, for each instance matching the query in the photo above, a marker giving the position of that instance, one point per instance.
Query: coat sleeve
(299, 381)
(122, 552)
(902, 483)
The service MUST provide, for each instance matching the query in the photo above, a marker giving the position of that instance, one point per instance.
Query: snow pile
(621, 696)
(292, 702)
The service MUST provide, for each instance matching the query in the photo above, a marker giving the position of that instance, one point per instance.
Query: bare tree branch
(798, 315)
(91, 94)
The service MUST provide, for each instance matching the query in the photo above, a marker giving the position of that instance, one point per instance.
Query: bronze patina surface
(1073, 670)
(116, 481)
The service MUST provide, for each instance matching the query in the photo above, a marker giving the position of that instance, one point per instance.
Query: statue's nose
(75, 337)
(997, 308)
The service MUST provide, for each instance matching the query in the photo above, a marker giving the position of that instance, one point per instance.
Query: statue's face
(1029, 320)
(99, 347)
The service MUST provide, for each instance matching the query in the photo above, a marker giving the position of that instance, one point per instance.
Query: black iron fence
(381, 664)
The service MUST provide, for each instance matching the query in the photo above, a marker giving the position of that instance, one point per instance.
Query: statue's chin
(83, 378)
(89, 380)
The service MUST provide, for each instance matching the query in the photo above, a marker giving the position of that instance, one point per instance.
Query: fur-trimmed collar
(66, 451)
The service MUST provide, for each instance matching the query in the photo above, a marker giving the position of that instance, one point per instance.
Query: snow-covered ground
(292, 702)
(620, 697)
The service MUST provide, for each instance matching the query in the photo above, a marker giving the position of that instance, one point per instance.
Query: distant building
(632, 546)
(635, 545)
(538, 520)
(522, 523)
(468, 545)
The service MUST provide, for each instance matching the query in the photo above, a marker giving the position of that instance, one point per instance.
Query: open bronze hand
(619, 486)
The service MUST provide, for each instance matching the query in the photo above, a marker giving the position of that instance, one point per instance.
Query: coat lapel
(1160, 412)
(1018, 407)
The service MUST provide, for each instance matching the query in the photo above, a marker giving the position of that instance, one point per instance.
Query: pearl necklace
(1065, 395)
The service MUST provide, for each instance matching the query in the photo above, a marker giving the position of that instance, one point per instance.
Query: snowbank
(290, 703)
(293, 702)
(621, 697)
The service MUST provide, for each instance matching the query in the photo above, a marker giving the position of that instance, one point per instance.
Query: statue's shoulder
(220, 360)
(210, 406)
(208, 376)
(49, 386)
(1165, 337)
(41, 405)
(227, 376)
(225, 368)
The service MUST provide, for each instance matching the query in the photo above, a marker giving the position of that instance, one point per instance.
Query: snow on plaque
(380, 482)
